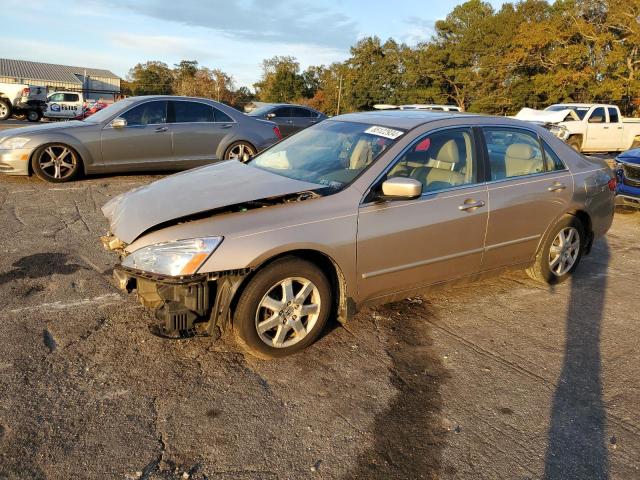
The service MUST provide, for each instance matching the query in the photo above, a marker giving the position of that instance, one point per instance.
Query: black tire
(5, 109)
(44, 167)
(575, 143)
(250, 310)
(34, 115)
(541, 270)
(242, 151)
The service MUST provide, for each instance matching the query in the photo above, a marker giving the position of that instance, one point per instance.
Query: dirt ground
(502, 379)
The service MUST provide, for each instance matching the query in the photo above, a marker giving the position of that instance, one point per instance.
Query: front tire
(575, 143)
(56, 163)
(560, 253)
(5, 109)
(241, 151)
(283, 309)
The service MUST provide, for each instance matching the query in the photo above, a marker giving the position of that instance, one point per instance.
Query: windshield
(259, 112)
(331, 153)
(108, 112)
(580, 111)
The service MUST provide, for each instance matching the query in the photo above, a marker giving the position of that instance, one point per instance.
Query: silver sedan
(136, 134)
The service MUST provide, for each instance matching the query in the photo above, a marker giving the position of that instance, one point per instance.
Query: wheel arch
(577, 136)
(81, 152)
(584, 218)
(343, 307)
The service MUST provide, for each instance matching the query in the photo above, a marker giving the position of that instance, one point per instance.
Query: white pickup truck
(588, 127)
(22, 100)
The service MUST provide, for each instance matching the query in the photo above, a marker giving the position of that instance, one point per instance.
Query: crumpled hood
(630, 156)
(41, 127)
(192, 192)
(543, 116)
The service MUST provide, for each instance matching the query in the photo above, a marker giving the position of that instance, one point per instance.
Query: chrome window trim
(108, 125)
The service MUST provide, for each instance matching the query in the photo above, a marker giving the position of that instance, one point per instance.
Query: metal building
(94, 83)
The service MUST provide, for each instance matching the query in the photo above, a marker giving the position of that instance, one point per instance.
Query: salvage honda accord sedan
(135, 134)
(358, 210)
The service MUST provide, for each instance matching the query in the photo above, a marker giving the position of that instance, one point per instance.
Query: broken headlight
(559, 131)
(182, 257)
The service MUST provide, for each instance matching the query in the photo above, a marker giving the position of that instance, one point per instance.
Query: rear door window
(513, 152)
(192, 112)
(614, 117)
(552, 160)
(220, 116)
(71, 97)
(300, 112)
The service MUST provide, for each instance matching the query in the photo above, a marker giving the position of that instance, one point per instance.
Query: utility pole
(339, 96)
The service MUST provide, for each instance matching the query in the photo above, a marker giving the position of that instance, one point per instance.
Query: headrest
(520, 151)
(449, 152)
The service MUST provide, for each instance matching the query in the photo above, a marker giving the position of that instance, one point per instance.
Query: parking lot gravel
(503, 378)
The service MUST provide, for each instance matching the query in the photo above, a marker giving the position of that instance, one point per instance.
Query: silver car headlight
(13, 143)
(182, 257)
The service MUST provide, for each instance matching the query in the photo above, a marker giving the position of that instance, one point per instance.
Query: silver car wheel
(564, 251)
(241, 152)
(58, 162)
(3, 110)
(288, 312)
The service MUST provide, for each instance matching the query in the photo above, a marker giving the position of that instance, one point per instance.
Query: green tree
(281, 80)
(151, 78)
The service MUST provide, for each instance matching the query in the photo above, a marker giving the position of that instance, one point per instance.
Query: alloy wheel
(288, 312)
(564, 251)
(241, 152)
(58, 162)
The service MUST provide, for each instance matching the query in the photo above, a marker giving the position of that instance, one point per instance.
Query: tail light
(25, 92)
(276, 130)
(613, 183)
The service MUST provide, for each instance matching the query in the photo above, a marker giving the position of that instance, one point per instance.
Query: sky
(233, 35)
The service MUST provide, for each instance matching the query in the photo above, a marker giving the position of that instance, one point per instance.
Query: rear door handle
(226, 126)
(161, 129)
(557, 187)
(470, 205)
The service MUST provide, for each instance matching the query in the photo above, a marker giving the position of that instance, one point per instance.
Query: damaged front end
(184, 307)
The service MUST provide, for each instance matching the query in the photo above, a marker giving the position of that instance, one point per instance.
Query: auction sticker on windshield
(384, 132)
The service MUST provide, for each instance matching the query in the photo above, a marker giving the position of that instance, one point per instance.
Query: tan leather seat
(361, 155)
(441, 171)
(522, 159)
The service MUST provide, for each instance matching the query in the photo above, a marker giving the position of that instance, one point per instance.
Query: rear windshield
(331, 153)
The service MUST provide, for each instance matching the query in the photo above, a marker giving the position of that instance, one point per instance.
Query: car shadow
(577, 445)
(409, 434)
(40, 265)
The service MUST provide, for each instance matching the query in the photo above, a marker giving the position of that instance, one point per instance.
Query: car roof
(405, 119)
(585, 105)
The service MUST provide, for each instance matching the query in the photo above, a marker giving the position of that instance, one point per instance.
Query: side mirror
(271, 115)
(596, 119)
(119, 122)
(401, 188)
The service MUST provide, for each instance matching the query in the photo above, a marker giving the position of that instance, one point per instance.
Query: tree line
(531, 53)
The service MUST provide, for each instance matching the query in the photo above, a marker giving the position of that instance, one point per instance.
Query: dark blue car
(628, 172)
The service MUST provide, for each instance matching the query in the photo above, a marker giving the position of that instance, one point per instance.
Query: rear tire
(556, 260)
(34, 115)
(241, 151)
(283, 309)
(56, 163)
(5, 109)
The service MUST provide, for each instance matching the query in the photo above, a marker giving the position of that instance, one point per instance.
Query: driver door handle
(557, 187)
(161, 129)
(470, 205)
